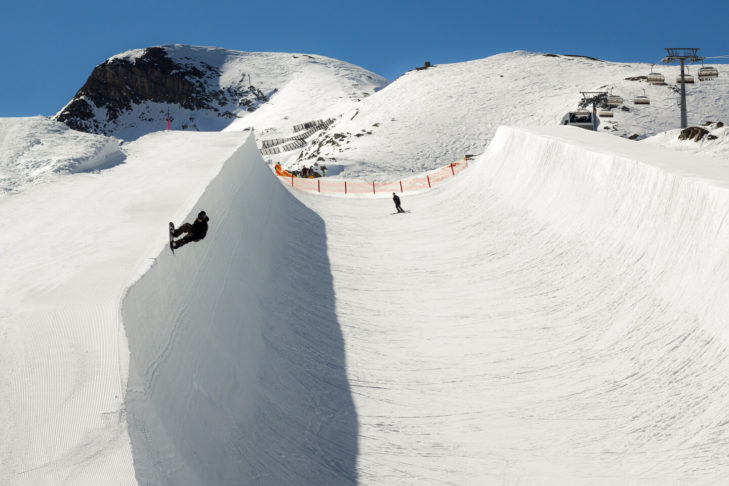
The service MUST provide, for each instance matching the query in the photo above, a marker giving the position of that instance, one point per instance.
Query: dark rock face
(693, 133)
(572, 55)
(117, 85)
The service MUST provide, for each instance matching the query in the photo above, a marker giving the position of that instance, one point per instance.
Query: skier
(195, 231)
(397, 203)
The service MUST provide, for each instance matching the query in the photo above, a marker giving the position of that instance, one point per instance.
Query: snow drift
(237, 369)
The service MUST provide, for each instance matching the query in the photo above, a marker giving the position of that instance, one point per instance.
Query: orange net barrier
(411, 184)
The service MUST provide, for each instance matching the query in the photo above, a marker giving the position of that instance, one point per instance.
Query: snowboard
(172, 237)
(404, 212)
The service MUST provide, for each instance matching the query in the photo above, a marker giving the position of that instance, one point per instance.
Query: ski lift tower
(593, 98)
(682, 54)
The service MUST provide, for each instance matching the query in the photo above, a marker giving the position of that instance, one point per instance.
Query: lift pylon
(682, 54)
(593, 98)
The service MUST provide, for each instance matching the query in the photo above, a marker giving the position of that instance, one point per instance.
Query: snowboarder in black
(397, 203)
(195, 231)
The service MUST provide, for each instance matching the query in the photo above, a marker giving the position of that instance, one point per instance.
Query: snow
(428, 118)
(35, 150)
(716, 147)
(424, 119)
(254, 337)
(552, 315)
(75, 246)
(320, 82)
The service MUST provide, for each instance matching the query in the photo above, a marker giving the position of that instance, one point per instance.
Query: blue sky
(50, 47)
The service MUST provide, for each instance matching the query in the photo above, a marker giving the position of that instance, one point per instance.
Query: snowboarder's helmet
(201, 215)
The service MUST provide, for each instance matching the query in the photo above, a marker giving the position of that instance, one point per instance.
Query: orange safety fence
(283, 173)
(333, 186)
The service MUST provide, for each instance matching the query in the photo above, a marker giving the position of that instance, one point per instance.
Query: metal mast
(682, 54)
(593, 98)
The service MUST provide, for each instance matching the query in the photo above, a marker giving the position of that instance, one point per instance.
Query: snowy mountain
(555, 314)
(363, 126)
(403, 127)
(202, 88)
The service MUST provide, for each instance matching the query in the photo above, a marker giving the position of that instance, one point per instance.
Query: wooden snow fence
(279, 145)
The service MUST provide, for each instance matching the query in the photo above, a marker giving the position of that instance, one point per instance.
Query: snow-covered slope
(430, 117)
(422, 120)
(35, 150)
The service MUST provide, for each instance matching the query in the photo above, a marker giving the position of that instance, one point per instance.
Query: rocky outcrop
(693, 133)
(121, 85)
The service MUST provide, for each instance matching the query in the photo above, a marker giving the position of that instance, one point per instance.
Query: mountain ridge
(199, 88)
(427, 117)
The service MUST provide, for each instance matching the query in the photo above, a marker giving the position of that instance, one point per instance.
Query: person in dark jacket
(195, 231)
(397, 203)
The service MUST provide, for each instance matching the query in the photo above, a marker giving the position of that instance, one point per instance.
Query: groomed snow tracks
(554, 316)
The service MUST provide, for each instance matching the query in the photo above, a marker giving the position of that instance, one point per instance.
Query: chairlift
(642, 99)
(708, 73)
(655, 77)
(581, 119)
(614, 100)
(606, 114)
(687, 78)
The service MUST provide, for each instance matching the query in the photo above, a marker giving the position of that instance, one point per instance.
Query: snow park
(550, 308)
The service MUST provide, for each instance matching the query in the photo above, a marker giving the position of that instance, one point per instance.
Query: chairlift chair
(708, 73)
(614, 100)
(642, 99)
(687, 77)
(581, 119)
(656, 78)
